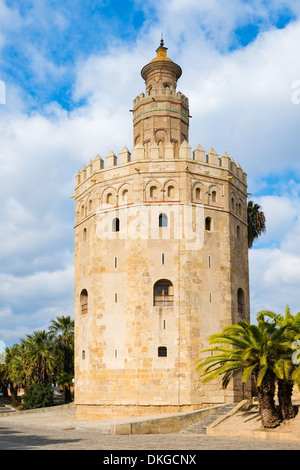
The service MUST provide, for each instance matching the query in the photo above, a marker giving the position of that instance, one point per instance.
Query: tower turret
(161, 115)
(161, 72)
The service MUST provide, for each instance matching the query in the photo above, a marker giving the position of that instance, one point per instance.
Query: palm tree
(256, 222)
(62, 334)
(286, 372)
(39, 356)
(248, 350)
(13, 371)
(62, 330)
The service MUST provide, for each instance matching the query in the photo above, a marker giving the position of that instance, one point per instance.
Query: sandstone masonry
(161, 261)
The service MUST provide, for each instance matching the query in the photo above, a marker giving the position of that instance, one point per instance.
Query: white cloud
(32, 301)
(242, 102)
(275, 279)
(282, 219)
(28, 288)
(275, 258)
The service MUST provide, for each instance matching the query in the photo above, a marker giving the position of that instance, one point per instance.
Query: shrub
(38, 396)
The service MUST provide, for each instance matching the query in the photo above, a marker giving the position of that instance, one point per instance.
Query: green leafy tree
(39, 395)
(65, 380)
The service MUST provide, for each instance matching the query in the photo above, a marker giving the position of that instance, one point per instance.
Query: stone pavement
(57, 429)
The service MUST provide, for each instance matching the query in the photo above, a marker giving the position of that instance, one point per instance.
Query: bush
(38, 396)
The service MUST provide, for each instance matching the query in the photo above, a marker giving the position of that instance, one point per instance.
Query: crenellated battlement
(142, 153)
(162, 91)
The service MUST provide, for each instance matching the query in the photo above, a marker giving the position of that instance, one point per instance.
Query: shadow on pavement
(14, 440)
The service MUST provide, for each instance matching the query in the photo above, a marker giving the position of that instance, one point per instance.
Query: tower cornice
(163, 65)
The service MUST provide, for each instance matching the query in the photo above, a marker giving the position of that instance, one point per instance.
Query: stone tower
(161, 261)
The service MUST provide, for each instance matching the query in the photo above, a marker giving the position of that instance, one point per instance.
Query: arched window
(83, 354)
(153, 191)
(160, 148)
(198, 193)
(84, 234)
(208, 223)
(109, 198)
(238, 232)
(163, 220)
(171, 191)
(214, 196)
(84, 301)
(240, 208)
(162, 351)
(241, 300)
(163, 295)
(125, 195)
(116, 225)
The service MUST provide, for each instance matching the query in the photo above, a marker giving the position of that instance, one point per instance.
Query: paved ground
(14, 438)
(58, 430)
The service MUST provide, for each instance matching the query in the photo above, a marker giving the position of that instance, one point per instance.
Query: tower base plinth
(105, 412)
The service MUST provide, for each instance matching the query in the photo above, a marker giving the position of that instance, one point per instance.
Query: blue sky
(71, 71)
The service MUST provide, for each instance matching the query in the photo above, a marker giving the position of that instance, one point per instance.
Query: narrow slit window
(116, 262)
(208, 224)
(116, 297)
(116, 225)
(162, 258)
(241, 301)
(83, 354)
